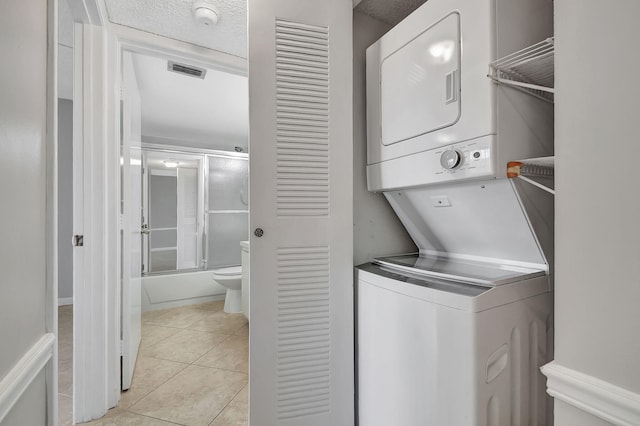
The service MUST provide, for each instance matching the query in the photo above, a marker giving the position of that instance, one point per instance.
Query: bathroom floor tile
(216, 305)
(231, 354)
(237, 412)
(130, 419)
(152, 334)
(185, 346)
(65, 407)
(220, 322)
(65, 375)
(243, 331)
(178, 317)
(195, 396)
(167, 389)
(147, 376)
(149, 316)
(65, 313)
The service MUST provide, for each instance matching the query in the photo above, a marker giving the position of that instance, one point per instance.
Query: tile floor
(192, 369)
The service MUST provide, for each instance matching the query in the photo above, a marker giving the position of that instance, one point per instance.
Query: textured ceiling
(174, 19)
(388, 11)
(203, 113)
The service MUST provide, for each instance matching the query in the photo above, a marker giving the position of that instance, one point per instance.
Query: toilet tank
(432, 114)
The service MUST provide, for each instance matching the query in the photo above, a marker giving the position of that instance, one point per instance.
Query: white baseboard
(63, 301)
(592, 395)
(18, 379)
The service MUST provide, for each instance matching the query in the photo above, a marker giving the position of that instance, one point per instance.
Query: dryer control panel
(464, 160)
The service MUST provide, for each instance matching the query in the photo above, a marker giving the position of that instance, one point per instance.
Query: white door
(131, 220)
(28, 308)
(301, 173)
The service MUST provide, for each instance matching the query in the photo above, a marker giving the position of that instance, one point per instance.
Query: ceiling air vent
(186, 70)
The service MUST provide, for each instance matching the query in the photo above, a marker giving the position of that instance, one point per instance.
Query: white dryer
(433, 116)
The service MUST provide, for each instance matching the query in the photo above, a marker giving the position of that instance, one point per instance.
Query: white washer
(444, 352)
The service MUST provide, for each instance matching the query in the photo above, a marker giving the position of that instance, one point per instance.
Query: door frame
(97, 296)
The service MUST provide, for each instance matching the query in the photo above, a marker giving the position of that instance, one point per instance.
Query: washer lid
(483, 221)
(467, 271)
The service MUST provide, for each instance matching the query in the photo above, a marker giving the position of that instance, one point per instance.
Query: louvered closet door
(301, 331)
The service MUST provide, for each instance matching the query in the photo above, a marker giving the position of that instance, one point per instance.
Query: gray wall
(65, 198)
(23, 190)
(376, 229)
(598, 199)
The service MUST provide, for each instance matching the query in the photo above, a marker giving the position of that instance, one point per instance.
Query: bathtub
(179, 289)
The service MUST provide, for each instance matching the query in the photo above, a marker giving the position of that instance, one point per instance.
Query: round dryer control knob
(450, 159)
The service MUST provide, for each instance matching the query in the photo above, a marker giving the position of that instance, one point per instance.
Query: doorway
(185, 213)
(158, 134)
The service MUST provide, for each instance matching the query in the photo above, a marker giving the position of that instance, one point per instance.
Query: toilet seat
(228, 271)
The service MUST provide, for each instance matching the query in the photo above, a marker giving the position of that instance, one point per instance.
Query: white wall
(376, 229)
(23, 190)
(65, 201)
(598, 196)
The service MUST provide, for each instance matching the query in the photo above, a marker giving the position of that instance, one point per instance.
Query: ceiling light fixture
(204, 13)
(170, 163)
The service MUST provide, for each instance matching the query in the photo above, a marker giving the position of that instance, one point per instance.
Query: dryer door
(420, 83)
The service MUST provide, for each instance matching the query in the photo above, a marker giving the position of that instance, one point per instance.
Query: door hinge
(78, 240)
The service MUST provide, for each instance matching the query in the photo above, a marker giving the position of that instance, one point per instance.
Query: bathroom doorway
(185, 210)
(204, 129)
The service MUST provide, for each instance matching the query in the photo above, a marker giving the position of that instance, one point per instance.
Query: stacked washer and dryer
(455, 334)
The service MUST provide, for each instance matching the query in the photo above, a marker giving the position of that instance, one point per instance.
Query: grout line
(163, 339)
(157, 387)
(223, 369)
(151, 417)
(228, 403)
(227, 336)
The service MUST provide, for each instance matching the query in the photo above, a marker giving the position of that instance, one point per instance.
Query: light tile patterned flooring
(192, 369)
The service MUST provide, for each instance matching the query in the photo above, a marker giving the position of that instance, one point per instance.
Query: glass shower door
(228, 209)
(174, 196)
(163, 219)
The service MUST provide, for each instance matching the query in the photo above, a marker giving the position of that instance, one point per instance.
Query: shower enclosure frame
(203, 156)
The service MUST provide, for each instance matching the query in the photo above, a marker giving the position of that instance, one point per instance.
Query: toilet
(230, 278)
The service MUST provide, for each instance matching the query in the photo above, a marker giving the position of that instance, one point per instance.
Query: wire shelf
(531, 168)
(529, 70)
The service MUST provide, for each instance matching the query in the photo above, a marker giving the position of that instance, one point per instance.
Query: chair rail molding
(18, 379)
(592, 395)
